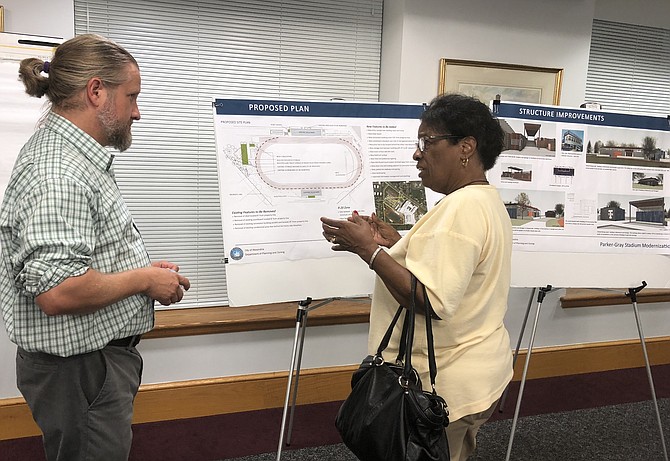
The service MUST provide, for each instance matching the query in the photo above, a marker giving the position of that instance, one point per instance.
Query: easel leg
(632, 294)
(297, 345)
(518, 346)
(540, 298)
(303, 327)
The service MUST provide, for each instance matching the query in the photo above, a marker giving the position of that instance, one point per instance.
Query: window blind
(629, 67)
(191, 52)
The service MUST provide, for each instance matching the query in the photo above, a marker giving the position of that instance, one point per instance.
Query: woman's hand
(384, 233)
(354, 234)
(363, 235)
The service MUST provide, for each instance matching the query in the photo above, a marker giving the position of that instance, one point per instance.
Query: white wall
(541, 33)
(653, 13)
(417, 34)
(46, 18)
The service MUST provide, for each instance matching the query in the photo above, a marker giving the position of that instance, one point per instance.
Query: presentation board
(285, 164)
(587, 195)
(584, 189)
(19, 113)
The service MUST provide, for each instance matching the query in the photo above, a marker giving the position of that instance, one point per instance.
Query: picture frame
(2, 18)
(513, 82)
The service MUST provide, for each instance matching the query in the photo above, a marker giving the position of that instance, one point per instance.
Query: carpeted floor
(597, 416)
(626, 432)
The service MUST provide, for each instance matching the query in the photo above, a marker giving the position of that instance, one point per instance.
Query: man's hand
(95, 290)
(166, 285)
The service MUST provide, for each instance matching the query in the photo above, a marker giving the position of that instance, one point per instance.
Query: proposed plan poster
(575, 180)
(285, 164)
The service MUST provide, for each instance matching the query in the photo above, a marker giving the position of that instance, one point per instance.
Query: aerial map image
(400, 203)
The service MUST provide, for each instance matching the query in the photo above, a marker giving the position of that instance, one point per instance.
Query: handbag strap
(409, 336)
(402, 346)
(432, 364)
(389, 331)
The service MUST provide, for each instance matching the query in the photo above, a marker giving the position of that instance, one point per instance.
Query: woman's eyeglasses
(424, 141)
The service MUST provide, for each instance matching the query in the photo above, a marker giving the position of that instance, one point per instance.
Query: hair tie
(45, 67)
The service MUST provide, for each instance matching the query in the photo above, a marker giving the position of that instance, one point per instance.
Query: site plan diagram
(284, 164)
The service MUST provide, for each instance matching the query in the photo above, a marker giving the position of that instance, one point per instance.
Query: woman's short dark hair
(463, 116)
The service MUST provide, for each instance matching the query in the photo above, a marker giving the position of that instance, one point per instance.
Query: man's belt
(130, 341)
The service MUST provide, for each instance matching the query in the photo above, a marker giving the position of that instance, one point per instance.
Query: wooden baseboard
(207, 397)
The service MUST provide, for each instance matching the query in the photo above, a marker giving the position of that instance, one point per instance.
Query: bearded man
(77, 287)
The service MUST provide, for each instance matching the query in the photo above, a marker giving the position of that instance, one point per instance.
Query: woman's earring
(464, 161)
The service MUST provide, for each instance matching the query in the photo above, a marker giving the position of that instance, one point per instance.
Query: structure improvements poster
(577, 180)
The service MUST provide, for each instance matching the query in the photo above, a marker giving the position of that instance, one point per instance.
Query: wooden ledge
(211, 320)
(584, 297)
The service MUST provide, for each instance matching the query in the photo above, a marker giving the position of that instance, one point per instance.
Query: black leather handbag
(388, 416)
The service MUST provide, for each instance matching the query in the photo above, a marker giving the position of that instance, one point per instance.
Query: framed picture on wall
(486, 80)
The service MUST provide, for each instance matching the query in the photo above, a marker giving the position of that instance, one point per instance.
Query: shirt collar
(98, 155)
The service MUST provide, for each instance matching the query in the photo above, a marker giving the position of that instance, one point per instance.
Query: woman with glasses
(460, 252)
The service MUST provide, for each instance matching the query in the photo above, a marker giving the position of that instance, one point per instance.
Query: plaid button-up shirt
(61, 215)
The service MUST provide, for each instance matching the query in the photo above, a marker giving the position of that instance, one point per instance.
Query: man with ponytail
(76, 284)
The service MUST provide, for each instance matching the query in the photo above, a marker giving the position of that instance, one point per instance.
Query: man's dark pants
(83, 404)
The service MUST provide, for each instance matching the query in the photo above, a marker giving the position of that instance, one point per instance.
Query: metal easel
(301, 323)
(542, 292)
(518, 346)
(632, 294)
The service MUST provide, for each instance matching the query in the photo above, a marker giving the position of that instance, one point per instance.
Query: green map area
(400, 203)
